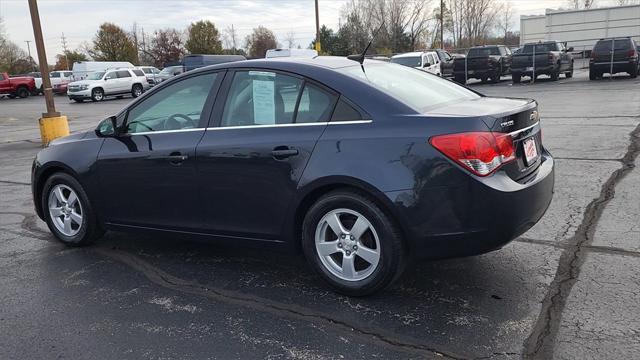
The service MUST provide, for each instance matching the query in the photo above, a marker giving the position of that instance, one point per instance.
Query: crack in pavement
(365, 332)
(14, 182)
(540, 343)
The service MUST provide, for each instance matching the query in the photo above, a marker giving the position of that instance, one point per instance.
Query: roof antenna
(360, 57)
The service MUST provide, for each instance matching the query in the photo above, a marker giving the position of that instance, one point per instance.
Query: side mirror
(107, 127)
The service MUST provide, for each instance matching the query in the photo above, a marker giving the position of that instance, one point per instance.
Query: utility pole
(441, 24)
(64, 52)
(52, 124)
(318, 46)
(28, 46)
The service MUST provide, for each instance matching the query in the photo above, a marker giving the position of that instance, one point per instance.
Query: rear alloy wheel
(97, 94)
(22, 92)
(136, 90)
(68, 212)
(352, 244)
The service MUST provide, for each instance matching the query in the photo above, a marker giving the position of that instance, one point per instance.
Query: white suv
(151, 73)
(423, 60)
(112, 82)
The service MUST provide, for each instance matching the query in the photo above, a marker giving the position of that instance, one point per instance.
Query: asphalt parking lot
(567, 289)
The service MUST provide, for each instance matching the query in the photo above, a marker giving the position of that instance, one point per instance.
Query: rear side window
(345, 112)
(138, 72)
(261, 98)
(315, 105)
(539, 48)
(123, 74)
(619, 44)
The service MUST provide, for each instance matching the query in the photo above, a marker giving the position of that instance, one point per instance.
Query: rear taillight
(479, 152)
(550, 57)
(593, 54)
(631, 53)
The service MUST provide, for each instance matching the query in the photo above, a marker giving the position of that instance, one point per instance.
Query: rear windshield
(413, 61)
(484, 51)
(605, 45)
(539, 48)
(417, 89)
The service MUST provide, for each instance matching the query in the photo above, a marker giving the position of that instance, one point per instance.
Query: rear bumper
(539, 70)
(618, 66)
(476, 73)
(474, 218)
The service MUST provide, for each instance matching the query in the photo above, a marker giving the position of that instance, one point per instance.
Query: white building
(582, 28)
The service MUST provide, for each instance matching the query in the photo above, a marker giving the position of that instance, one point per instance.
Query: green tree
(113, 44)
(260, 40)
(327, 41)
(204, 38)
(66, 60)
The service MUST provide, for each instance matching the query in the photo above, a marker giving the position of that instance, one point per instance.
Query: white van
(82, 69)
(304, 53)
(423, 60)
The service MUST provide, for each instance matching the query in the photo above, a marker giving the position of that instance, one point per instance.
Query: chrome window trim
(515, 133)
(165, 131)
(289, 125)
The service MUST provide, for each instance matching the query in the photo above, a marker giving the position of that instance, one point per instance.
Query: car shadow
(474, 301)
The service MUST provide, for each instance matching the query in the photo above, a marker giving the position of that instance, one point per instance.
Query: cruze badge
(506, 123)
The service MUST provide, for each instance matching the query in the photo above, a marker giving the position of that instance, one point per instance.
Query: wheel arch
(315, 190)
(41, 178)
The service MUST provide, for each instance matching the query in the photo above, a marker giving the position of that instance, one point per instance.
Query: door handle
(283, 152)
(177, 158)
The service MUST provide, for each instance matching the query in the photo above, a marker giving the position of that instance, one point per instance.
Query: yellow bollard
(52, 128)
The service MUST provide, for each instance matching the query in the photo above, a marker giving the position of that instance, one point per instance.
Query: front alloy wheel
(65, 210)
(350, 252)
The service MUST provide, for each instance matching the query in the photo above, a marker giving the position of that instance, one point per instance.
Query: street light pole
(52, 124)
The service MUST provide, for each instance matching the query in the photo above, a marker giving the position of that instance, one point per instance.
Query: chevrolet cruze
(358, 166)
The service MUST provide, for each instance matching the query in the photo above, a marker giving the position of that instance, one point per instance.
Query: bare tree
(290, 39)
(581, 4)
(472, 20)
(506, 19)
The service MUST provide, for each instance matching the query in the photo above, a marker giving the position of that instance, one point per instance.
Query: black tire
(97, 94)
(392, 252)
(136, 90)
(592, 75)
(11, 96)
(89, 230)
(22, 92)
(78, 100)
(555, 75)
(459, 79)
(484, 79)
(516, 78)
(41, 90)
(634, 72)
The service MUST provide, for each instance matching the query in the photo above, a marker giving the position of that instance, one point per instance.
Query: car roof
(409, 54)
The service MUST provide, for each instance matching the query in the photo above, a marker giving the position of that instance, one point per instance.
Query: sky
(79, 19)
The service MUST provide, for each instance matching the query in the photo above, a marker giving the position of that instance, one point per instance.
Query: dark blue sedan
(358, 167)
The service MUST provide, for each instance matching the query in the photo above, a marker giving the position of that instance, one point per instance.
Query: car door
(147, 174)
(111, 82)
(251, 159)
(446, 64)
(4, 85)
(125, 81)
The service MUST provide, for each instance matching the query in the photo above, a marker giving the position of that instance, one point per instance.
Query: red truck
(17, 86)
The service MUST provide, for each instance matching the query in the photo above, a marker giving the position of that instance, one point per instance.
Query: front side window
(417, 89)
(111, 75)
(261, 98)
(175, 107)
(98, 75)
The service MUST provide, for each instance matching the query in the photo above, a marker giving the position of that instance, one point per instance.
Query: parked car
(37, 77)
(60, 88)
(114, 82)
(169, 72)
(14, 87)
(623, 58)
(422, 60)
(551, 58)
(191, 62)
(484, 63)
(308, 53)
(83, 69)
(353, 164)
(60, 80)
(151, 73)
